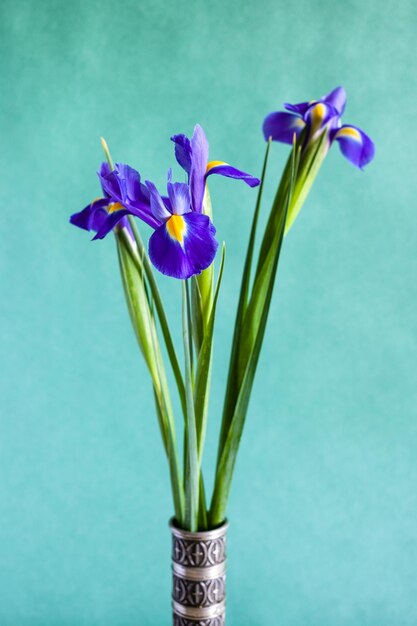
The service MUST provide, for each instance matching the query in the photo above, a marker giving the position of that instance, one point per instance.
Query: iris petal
(158, 207)
(182, 151)
(124, 185)
(282, 126)
(199, 158)
(182, 259)
(355, 145)
(112, 219)
(224, 169)
(179, 196)
(299, 109)
(337, 99)
(92, 216)
(320, 113)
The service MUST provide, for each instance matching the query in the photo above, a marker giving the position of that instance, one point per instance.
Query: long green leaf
(264, 283)
(203, 370)
(145, 330)
(147, 268)
(193, 466)
(231, 387)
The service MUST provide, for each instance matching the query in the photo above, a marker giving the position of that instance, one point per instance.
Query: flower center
(176, 227)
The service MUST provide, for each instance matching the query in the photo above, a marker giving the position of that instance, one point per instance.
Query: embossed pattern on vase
(199, 577)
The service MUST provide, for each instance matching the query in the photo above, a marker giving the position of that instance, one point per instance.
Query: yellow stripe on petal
(318, 112)
(212, 164)
(299, 122)
(176, 227)
(350, 132)
(114, 206)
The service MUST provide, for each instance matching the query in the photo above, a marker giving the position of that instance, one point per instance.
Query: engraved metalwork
(199, 577)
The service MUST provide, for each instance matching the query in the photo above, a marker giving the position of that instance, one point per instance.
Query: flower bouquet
(183, 245)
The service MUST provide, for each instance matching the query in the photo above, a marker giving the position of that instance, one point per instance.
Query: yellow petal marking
(318, 112)
(349, 132)
(212, 164)
(176, 227)
(299, 122)
(114, 206)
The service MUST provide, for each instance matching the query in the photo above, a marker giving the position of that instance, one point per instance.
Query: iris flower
(315, 116)
(123, 194)
(184, 243)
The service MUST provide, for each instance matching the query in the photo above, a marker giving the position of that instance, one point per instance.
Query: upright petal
(355, 145)
(282, 126)
(133, 189)
(124, 185)
(158, 207)
(224, 169)
(179, 196)
(185, 247)
(337, 99)
(182, 151)
(199, 158)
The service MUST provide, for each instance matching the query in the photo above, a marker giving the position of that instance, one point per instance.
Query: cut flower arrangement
(183, 246)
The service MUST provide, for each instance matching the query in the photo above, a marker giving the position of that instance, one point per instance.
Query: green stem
(144, 263)
(232, 386)
(142, 260)
(144, 325)
(193, 473)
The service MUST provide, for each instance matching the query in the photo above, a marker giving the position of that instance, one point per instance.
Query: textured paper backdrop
(323, 512)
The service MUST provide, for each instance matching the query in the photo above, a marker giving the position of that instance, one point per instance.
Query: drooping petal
(111, 221)
(182, 151)
(224, 169)
(92, 216)
(183, 246)
(179, 196)
(337, 99)
(158, 208)
(199, 158)
(355, 145)
(281, 126)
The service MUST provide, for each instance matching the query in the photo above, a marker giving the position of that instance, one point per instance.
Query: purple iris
(124, 194)
(314, 117)
(183, 243)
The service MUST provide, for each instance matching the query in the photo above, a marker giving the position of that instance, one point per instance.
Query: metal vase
(199, 577)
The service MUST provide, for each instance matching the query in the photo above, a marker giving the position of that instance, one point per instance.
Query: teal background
(323, 512)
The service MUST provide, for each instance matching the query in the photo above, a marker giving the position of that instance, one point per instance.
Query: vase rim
(212, 533)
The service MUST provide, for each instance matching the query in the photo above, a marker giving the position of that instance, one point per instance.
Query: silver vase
(199, 577)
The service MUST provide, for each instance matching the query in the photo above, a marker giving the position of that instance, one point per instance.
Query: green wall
(323, 513)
